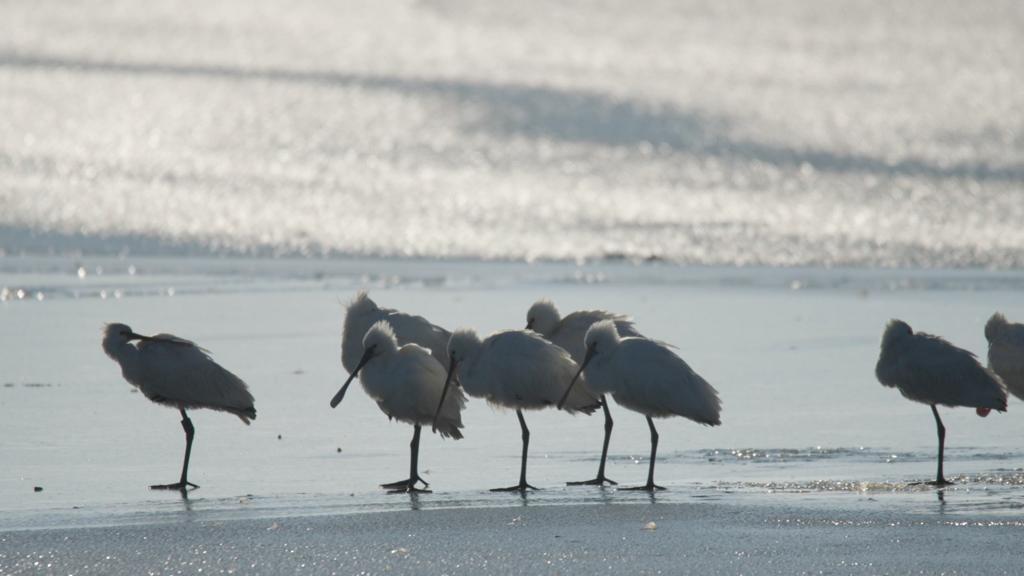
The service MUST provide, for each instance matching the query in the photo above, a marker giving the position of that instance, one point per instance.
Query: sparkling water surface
(737, 132)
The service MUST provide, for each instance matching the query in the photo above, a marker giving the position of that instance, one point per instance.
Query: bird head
(995, 326)
(895, 331)
(380, 338)
(361, 304)
(543, 317)
(601, 337)
(463, 344)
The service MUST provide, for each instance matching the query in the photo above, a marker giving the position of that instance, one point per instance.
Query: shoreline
(694, 537)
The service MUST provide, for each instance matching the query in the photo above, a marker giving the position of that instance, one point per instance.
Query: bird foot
(649, 487)
(521, 487)
(401, 484)
(409, 488)
(183, 486)
(599, 481)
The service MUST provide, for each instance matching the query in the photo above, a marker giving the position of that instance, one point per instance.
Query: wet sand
(698, 538)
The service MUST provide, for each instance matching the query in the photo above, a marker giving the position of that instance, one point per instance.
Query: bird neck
(124, 353)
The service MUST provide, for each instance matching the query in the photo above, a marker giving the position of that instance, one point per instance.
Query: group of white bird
(410, 366)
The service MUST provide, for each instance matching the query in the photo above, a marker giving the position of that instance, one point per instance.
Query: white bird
(362, 313)
(930, 370)
(407, 383)
(1006, 352)
(177, 373)
(568, 333)
(646, 377)
(515, 369)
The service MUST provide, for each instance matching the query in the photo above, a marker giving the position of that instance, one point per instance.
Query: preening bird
(515, 369)
(362, 313)
(647, 377)
(930, 370)
(568, 333)
(176, 372)
(407, 383)
(1006, 352)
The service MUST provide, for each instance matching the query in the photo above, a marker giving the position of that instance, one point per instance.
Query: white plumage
(407, 383)
(930, 370)
(515, 369)
(362, 313)
(568, 333)
(176, 372)
(647, 377)
(1006, 352)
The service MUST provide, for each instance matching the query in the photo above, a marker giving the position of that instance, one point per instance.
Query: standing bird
(568, 333)
(515, 369)
(1006, 352)
(646, 377)
(362, 313)
(932, 371)
(177, 373)
(407, 383)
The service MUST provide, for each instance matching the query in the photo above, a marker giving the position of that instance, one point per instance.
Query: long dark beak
(134, 336)
(586, 360)
(344, 388)
(444, 392)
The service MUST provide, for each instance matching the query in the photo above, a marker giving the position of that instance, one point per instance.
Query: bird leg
(940, 479)
(523, 486)
(183, 484)
(601, 480)
(650, 486)
(409, 485)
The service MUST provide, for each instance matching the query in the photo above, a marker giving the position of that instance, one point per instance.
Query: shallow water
(792, 353)
(739, 132)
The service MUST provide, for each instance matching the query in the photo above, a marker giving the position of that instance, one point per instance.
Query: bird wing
(424, 378)
(573, 328)
(176, 371)
(410, 329)
(527, 371)
(656, 381)
(929, 369)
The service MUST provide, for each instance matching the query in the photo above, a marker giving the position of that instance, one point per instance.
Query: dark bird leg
(409, 485)
(650, 486)
(190, 433)
(940, 479)
(601, 480)
(522, 487)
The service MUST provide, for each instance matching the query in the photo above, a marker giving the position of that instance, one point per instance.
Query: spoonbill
(514, 369)
(930, 370)
(407, 383)
(363, 312)
(568, 333)
(645, 376)
(176, 372)
(1006, 352)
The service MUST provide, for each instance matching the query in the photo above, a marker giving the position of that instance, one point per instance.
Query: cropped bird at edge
(363, 312)
(515, 369)
(1006, 352)
(930, 370)
(407, 383)
(176, 372)
(645, 376)
(568, 333)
